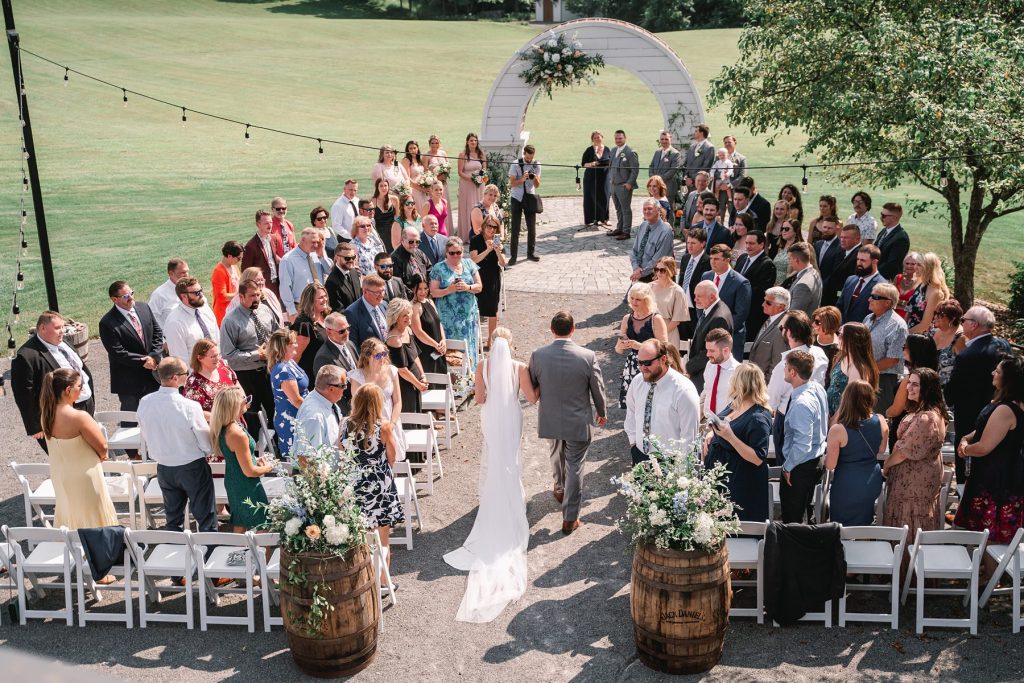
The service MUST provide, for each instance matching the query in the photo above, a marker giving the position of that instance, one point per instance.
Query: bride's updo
(502, 332)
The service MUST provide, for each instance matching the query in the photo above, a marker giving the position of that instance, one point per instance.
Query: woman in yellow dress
(77, 447)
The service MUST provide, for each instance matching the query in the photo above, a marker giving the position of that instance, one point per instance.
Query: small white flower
(658, 516)
(566, 52)
(568, 68)
(552, 43)
(682, 482)
(547, 56)
(337, 535)
(292, 526)
(556, 58)
(329, 521)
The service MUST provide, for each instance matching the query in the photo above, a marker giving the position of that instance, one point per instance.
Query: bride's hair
(502, 332)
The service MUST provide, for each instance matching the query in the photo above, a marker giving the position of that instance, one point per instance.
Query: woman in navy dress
(741, 443)
(855, 441)
(596, 160)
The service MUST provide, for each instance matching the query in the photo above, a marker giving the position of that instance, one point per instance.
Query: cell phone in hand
(716, 422)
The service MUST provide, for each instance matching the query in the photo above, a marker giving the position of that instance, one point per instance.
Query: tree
(866, 79)
(650, 14)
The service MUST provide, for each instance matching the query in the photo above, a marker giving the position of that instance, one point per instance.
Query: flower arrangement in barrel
(560, 61)
(675, 503)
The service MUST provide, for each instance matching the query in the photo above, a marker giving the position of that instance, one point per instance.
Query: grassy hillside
(127, 187)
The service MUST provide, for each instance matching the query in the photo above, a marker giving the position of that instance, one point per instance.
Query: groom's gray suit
(569, 378)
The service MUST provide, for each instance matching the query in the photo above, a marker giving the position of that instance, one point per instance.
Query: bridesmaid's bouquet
(480, 177)
(674, 502)
(403, 189)
(442, 169)
(426, 180)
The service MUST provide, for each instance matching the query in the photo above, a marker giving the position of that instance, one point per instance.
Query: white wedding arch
(621, 44)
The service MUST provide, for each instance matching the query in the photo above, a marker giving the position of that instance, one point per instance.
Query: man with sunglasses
(134, 343)
(368, 314)
(191, 320)
(318, 419)
(394, 288)
(888, 336)
(337, 350)
(661, 402)
(343, 281)
(408, 258)
(282, 227)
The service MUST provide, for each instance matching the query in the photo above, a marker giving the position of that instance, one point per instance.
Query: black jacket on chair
(126, 352)
(804, 566)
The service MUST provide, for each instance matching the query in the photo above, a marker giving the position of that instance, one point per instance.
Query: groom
(569, 379)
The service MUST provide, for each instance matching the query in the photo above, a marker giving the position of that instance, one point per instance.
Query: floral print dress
(375, 489)
(460, 316)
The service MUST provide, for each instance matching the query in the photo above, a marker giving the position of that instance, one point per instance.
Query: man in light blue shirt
(806, 426)
(317, 423)
(304, 264)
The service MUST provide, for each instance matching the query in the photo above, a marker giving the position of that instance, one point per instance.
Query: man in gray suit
(769, 344)
(338, 350)
(569, 379)
(665, 164)
(700, 156)
(805, 291)
(621, 182)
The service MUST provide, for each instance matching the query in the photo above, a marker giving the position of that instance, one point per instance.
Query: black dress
(430, 321)
(595, 186)
(405, 356)
(382, 221)
(303, 326)
(490, 277)
(748, 483)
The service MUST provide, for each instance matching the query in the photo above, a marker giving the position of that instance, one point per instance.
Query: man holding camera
(524, 178)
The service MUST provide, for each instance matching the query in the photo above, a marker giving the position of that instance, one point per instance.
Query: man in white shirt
(318, 420)
(177, 437)
(796, 331)
(303, 265)
(191, 320)
(344, 210)
(718, 372)
(660, 402)
(164, 298)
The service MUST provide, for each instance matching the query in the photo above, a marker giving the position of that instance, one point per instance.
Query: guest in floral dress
(913, 470)
(454, 284)
(643, 323)
(948, 336)
(367, 243)
(994, 492)
(210, 375)
(904, 282)
(372, 438)
(289, 384)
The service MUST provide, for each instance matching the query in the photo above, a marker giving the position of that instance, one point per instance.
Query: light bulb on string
(66, 70)
(24, 246)
(320, 148)
(24, 183)
(943, 176)
(11, 345)
(24, 153)
(579, 185)
(20, 280)
(16, 312)
(124, 94)
(184, 119)
(803, 181)
(247, 137)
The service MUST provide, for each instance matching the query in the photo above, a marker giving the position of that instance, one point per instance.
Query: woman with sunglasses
(407, 217)
(367, 242)
(825, 325)
(210, 374)
(320, 220)
(437, 205)
(426, 325)
(374, 367)
(486, 252)
(242, 469)
(289, 384)
(672, 302)
(780, 213)
(454, 284)
(789, 234)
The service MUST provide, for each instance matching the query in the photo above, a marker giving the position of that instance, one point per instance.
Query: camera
(531, 175)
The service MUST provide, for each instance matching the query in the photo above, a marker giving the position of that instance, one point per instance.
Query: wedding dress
(495, 551)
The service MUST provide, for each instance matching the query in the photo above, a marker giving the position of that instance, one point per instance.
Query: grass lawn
(125, 188)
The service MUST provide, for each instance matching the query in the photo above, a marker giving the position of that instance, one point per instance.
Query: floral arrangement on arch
(558, 61)
(674, 502)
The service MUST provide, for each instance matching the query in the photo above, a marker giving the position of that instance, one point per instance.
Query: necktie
(881, 237)
(718, 282)
(268, 252)
(136, 325)
(690, 267)
(202, 326)
(648, 409)
(643, 243)
(347, 357)
(64, 352)
(856, 292)
(746, 265)
(714, 389)
(378, 320)
(261, 331)
(337, 413)
(313, 269)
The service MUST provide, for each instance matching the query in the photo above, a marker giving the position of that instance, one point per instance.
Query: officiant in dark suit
(134, 343)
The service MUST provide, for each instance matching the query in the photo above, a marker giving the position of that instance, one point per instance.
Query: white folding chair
(266, 443)
(441, 399)
(37, 496)
(84, 580)
(943, 555)
(880, 504)
(270, 573)
(463, 370)
(162, 555)
(947, 482)
(219, 489)
(379, 559)
(49, 557)
(120, 438)
(422, 439)
(870, 550)
(406, 485)
(775, 496)
(746, 551)
(150, 493)
(215, 566)
(1008, 561)
(123, 486)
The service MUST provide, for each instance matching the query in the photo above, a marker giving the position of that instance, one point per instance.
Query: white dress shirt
(182, 331)
(162, 300)
(723, 397)
(342, 213)
(175, 431)
(675, 414)
(295, 275)
(317, 422)
(75, 363)
(779, 389)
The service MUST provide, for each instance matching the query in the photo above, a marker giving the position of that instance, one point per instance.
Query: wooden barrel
(680, 605)
(347, 642)
(76, 335)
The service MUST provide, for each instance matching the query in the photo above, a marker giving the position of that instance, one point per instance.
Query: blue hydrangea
(679, 504)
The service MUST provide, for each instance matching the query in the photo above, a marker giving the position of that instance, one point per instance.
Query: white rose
(338, 535)
(568, 68)
(552, 43)
(329, 521)
(682, 482)
(292, 526)
(566, 52)
(547, 56)
(556, 58)
(658, 517)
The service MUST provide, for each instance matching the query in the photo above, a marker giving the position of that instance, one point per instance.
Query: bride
(495, 551)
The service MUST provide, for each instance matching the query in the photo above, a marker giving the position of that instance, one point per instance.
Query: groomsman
(621, 182)
(700, 156)
(343, 281)
(665, 164)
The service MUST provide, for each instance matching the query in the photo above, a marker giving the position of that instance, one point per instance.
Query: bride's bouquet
(676, 503)
(426, 180)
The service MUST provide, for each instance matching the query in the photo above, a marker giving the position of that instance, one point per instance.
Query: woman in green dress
(242, 469)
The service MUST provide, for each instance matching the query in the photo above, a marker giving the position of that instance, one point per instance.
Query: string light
(321, 146)
(943, 177)
(24, 245)
(16, 311)
(21, 278)
(124, 93)
(803, 181)
(579, 185)
(24, 183)
(12, 346)
(247, 140)
(66, 70)
(184, 119)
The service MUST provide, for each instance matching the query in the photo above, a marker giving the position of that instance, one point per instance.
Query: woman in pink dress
(435, 158)
(437, 206)
(472, 162)
(388, 169)
(412, 163)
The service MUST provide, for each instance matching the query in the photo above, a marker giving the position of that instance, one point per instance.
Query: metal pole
(30, 149)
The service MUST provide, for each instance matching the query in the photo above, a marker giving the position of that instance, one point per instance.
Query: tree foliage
(866, 79)
(651, 15)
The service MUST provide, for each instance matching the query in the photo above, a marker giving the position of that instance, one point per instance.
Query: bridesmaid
(596, 160)
(437, 206)
(471, 162)
(437, 157)
(387, 168)
(385, 205)
(412, 164)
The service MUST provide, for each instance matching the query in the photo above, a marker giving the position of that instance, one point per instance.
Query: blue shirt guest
(653, 241)
(288, 381)
(805, 431)
(318, 419)
(304, 264)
